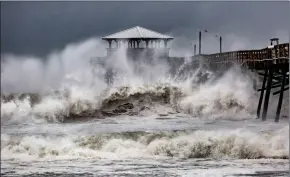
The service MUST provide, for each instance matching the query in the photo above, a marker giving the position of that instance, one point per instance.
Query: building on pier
(137, 41)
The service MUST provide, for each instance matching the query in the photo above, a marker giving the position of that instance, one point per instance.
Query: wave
(218, 144)
(78, 103)
(66, 104)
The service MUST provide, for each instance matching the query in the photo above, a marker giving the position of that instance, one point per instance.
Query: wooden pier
(271, 62)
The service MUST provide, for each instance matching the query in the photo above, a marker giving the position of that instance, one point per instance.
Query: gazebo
(138, 39)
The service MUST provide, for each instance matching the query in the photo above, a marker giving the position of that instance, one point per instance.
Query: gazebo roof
(137, 33)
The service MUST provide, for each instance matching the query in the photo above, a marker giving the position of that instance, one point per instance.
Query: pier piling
(268, 91)
(262, 93)
(279, 106)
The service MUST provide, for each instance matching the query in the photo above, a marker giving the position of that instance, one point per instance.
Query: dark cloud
(40, 27)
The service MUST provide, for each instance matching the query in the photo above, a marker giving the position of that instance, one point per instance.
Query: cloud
(39, 27)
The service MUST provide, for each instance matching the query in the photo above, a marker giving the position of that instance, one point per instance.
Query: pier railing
(279, 53)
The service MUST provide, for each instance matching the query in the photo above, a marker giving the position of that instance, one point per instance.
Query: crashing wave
(79, 104)
(64, 105)
(218, 144)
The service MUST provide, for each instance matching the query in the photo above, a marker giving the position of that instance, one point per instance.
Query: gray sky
(37, 28)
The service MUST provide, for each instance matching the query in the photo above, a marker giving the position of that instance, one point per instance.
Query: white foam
(237, 144)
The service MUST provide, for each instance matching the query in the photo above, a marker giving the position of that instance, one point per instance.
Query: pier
(272, 62)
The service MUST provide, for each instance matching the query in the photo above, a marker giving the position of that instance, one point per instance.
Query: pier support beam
(284, 71)
(262, 93)
(268, 91)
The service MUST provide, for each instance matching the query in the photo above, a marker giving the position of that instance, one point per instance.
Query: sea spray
(76, 89)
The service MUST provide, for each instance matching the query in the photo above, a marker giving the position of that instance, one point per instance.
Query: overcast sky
(37, 28)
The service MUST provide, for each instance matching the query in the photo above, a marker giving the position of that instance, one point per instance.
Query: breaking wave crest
(235, 144)
(75, 103)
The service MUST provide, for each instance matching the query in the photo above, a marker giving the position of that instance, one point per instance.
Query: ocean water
(181, 146)
(70, 122)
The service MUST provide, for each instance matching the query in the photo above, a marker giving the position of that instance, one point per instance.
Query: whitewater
(61, 117)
